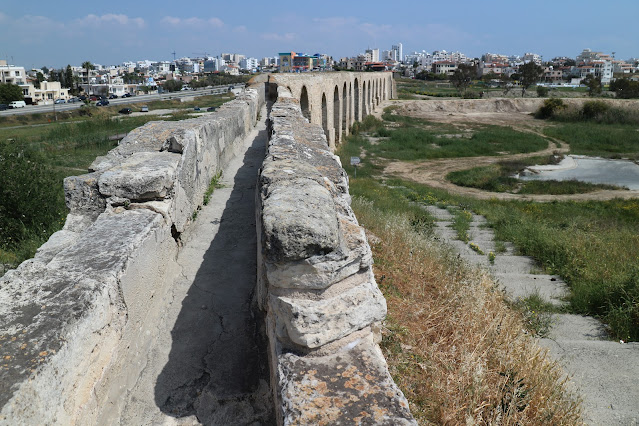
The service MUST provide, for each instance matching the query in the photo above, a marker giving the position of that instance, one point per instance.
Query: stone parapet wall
(316, 284)
(68, 315)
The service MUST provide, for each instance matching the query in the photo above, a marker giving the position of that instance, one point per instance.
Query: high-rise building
(399, 53)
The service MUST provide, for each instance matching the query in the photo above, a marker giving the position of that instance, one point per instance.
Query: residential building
(250, 64)
(373, 55)
(10, 74)
(399, 53)
(48, 92)
(444, 67)
(532, 57)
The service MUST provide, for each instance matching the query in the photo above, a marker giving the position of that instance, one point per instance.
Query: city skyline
(37, 33)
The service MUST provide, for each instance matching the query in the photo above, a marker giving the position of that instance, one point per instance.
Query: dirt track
(514, 113)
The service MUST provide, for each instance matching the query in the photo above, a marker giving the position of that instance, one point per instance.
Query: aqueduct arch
(336, 100)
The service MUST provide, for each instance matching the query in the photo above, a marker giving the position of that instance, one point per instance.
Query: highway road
(35, 109)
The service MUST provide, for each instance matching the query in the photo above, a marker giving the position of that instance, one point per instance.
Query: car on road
(82, 97)
(125, 111)
(93, 98)
(144, 108)
(102, 102)
(59, 101)
(211, 109)
(126, 95)
(113, 96)
(196, 108)
(17, 104)
(3, 107)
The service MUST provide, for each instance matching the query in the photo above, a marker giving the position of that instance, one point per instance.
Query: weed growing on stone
(213, 185)
(461, 223)
(537, 314)
(476, 248)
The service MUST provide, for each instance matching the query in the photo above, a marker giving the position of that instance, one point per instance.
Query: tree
(68, 77)
(39, 79)
(624, 88)
(10, 92)
(529, 74)
(88, 66)
(462, 77)
(593, 83)
(172, 85)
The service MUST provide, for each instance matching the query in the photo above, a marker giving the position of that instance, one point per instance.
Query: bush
(549, 108)
(542, 91)
(594, 109)
(28, 205)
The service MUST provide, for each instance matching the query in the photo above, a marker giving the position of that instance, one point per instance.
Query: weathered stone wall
(315, 279)
(70, 315)
(336, 100)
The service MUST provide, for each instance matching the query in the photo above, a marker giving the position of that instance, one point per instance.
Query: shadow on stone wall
(217, 368)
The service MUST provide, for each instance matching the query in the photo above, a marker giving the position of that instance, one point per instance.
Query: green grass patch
(416, 139)
(601, 140)
(592, 245)
(499, 177)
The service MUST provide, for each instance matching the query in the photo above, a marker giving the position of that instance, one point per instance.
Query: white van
(17, 104)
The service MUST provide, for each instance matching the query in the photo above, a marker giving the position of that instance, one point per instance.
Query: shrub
(542, 91)
(549, 108)
(594, 109)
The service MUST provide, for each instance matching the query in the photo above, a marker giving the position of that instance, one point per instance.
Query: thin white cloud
(335, 22)
(192, 22)
(111, 19)
(279, 37)
(240, 29)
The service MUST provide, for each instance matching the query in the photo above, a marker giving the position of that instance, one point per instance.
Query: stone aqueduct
(338, 102)
(77, 319)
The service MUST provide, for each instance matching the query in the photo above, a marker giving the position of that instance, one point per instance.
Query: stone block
(313, 323)
(143, 176)
(349, 387)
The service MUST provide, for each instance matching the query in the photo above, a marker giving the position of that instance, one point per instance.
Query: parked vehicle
(93, 98)
(17, 104)
(102, 102)
(210, 109)
(125, 111)
(3, 107)
(59, 101)
(144, 108)
(82, 97)
(113, 96)
(196, 109)
(126, 95)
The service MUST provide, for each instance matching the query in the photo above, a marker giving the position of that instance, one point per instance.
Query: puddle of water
(588, 169)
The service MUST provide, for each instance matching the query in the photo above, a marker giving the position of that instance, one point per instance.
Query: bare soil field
(515, 113)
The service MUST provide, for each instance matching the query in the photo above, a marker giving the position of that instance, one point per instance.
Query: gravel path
(604, 372)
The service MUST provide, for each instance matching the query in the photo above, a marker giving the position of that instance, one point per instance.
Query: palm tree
(87, 65)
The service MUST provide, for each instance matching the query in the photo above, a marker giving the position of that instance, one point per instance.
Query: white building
(48, 92)
(10, 74)
(532, 57)
(249, 64)
(373, 54)
(399, 54)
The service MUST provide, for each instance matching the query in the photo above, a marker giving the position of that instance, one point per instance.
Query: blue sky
(36, 32)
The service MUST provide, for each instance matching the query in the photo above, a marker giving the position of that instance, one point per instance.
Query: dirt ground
(514, 113)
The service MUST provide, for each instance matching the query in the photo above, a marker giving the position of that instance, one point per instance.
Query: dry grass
(459, 354)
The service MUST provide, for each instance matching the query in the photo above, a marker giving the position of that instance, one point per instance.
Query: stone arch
(305, 105)
(336, 115)
(369, 98)
(325, 116)
(357, 108)
(344, 126)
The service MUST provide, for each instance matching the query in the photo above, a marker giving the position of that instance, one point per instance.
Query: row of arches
(337, 100)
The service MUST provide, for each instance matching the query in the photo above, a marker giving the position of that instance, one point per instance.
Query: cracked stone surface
(602, 371)
(207, 364)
